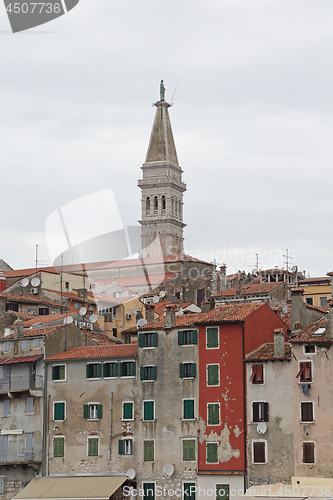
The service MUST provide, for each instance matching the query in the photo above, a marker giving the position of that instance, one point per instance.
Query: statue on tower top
(162, 91)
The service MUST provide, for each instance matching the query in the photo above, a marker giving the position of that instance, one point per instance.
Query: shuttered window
(259, 411)
(257, 375)
(307, 412)
(58, 372)
(187, 370)
(2, 485)
(93, 411)
(110, 370)
(211, 453)
(188, 409)
(58, 446)
(188, 450)
(308, 453)
(128, 411)
(29, 405)
(305, 371)
(148, 372)
(59, 411)
(222, 492)
(148, 339)
(212, 337)
(213, 377)
(187, 337)
(213, 410)
(148, 451)
(92, 447)
(125, 446)
(127, 369)
(148, 410)
(148, 491)
(93, 370)
(259, 452)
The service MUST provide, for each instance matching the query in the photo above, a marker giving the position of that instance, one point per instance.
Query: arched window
(163, 203)
(176, 207)
(148, 205)
(155, 204)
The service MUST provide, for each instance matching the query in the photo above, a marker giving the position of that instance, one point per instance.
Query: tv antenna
(287, 257)
(173, 95)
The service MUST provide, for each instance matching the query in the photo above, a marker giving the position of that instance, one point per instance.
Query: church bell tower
(161, 190)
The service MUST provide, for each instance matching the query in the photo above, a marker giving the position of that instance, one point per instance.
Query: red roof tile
(36, 332)
(89, 352)
(251, 289)
(308, 334)
(266, 353)
(16, 297)
(20, 359)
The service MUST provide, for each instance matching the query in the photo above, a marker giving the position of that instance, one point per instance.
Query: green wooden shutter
(212, 374)
(142, 373)
(182, 370)
(59, 411)
(54, 372)
(133, 368)
(212, 337)
(155, 339)
(58, 447)
(99, 411)
(141, 339)
(148, 410)
(127, 411)
(188, 408)
(211, 451)
(213, 414)
(154, 373)
(121, 369)
(189, 491)
(85, 411)
(193, 370)
(99, 370)
(148, 491)
(121, 447)
(88, 371)
(181, 338)
(222, 492)
(148, 450)
(189, 449)
(93, 447)
(194, 336)
(106, 369)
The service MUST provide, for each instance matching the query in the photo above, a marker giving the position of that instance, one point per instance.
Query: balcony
(21, 383)
(11, 456)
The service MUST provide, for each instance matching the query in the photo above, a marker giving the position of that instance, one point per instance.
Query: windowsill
(259, 463)
(258, 383)
(305, 422)
(93, 419)
(305, 383)
(28, 414)
(188, 419)
(94, 378)
(128, 376)
(149, 347)
(217, 385)
(150, 380)
(142, 420)
(109, 378)
(62, 380)
(188, 378)
(188, 345)
(127, 419)
(218, 347)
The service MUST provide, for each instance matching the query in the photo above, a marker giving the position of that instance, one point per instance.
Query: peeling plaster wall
(277, 391)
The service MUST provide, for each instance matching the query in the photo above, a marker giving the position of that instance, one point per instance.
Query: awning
(78, 487)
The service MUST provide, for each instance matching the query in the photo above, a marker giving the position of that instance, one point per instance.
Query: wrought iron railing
(21, 383)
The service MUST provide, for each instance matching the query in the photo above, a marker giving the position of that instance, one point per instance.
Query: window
(6, 407)
(188, 450)
(213, 411)
(259, 411)
(92, 411)
(58, 446)
(36, 343)
(148, 491)
(66, 285)
(308, 456)
(212, 337)
(307, 411)
(257, 375)
(305, 371)
(187, 370)
(6, 346)
(189, 491)
(128, 369)
(212, 453)
(148, 372)
(259, 452)
(213, 375)
(309, 349)
(148, 205)
(43, 311)
(28, 451)
(222, 492)
(59, 411)
(94, 370)
(155, 204)
(29, 406)
(2, 485)
(200, 293)
(323, 301)
(110, 370)
(93, 447)
(148, 410)
(58, 372)
(187, 337)
(309, 300)
(25, 344)
(148, 450)
(125, 446)
(163, 202)
(188, 409)
(128, 411)
(148, 339)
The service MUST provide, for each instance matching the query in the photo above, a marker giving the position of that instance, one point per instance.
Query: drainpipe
(111, 400)
(45, 423)
(244, 406)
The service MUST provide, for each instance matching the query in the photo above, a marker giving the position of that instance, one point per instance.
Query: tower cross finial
(162, 91)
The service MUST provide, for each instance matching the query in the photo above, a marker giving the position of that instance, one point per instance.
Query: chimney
(207, 305)
(170, 317)
(279, 347)
(150, 312)
(18, 328)
(82, 293)
(329, 322)
(297, 310)
(238, 287)
(108, 325)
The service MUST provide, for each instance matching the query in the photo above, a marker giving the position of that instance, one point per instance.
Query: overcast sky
(252, 118)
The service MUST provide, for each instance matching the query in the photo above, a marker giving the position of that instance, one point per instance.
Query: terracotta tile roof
(35, 320)
(226, 313)
(89, 352)
(22, 315)
(251, 289)
(308, 334)
(16, 297)
(69, 295)
(323, 309)
(160, 306)
(101, 338)
(36, 332)
(310, 281)
(20, 359)
(266, 353)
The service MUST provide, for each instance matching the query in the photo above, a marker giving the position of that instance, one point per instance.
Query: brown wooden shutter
(255, 411)
(253, 374)
(260, 372)
(308, 453)
(259, 452)
(307, 412)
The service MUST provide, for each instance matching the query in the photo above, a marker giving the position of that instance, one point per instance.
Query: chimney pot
(279, 346)
(150, 312)
(18, 328)
(170, 316)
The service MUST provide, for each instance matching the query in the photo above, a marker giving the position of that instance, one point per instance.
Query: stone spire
(162, 189)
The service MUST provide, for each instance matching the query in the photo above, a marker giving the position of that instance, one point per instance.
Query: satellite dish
(82, 311)
(254, 271)
(35, 281)
(93, 318)
(68, 320)
(135, 310)
(174, 299)
(168, 470)
(156, 299)
(25, 282)
(130, 474)
(162, 293)
(294, 269)
(261, 428)
(141, 322)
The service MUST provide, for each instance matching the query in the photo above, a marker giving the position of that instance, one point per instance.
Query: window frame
(195, 449)
(253, 377)
(121, 363)
(37, 343)
(185, 365)
(6, 346)
(143, 449)
(63, 440)
(59, 379)
(309, 297)
(215, 403)
(122, 411)
(218, 374)
(8, 401)
(309, 353)
(215, 443)
(152, 376)
(322, 297)
(184, 334)
(143, 340)
(218, 337)
(90, 438)
(313, 412)
(90, 406)
(314, 452)
(301, 370)
(183, 408)
(263, 409)
(98, 377)
(33, 405)
(265, 451)
(59, 402)
(116, 364)
(25, 342)
(143, 410)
